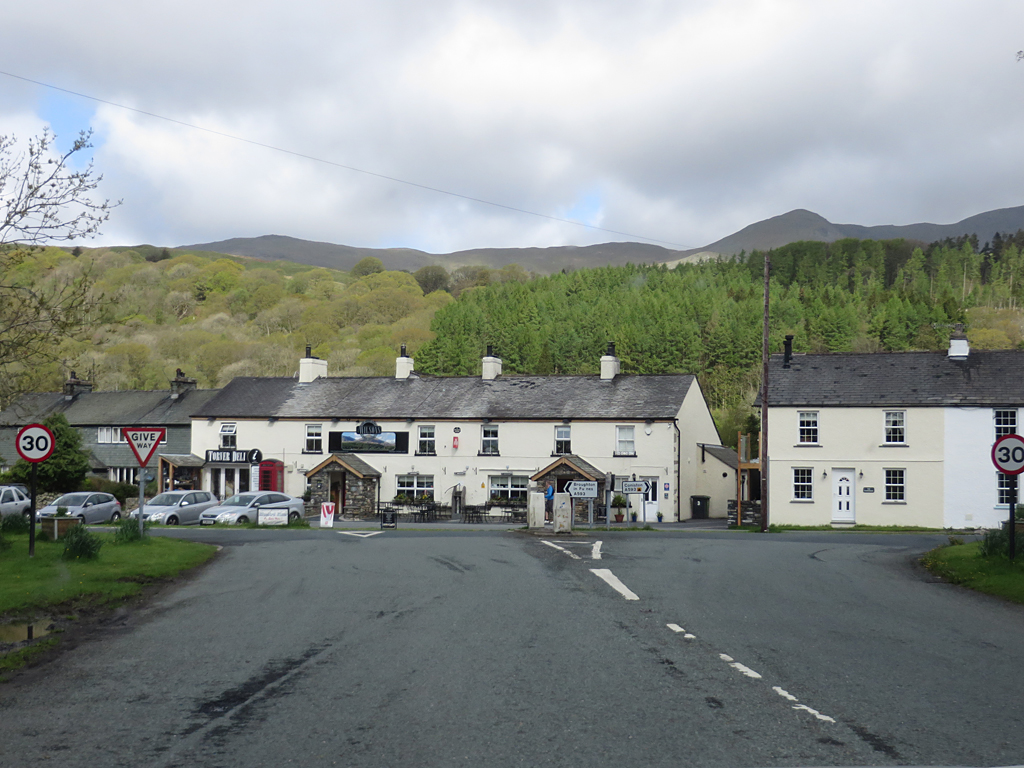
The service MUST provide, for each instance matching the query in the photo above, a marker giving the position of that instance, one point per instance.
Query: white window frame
(489, 440)
(1004, 420)
(896, 492)
(1003, 490)
(507, 487)
(625, 440)
(895, 427)
(427, 440)
(415, 486)
(314, 438)
(803, 484)
(563, 440)
(229, 435)
(807, 427)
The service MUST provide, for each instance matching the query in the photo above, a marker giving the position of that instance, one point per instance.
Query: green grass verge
(31, 584)
(857, 528)
(965, 566)
(15, 660)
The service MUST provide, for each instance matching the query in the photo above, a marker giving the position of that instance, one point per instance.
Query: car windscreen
(165, 500)
(240, 500)
(71, 500)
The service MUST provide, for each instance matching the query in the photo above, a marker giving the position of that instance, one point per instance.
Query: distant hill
(770, 233)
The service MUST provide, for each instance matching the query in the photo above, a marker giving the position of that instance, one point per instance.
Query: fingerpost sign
(34, 444)
(1008, 457)
(143, 441)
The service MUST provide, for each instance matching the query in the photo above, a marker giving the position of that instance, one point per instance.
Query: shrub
(619, 501)
(997, 544)
(80, 543)
(126, 531)
(62, 511)
(15, 524)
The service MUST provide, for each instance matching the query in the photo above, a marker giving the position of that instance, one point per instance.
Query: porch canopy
(348, 481)
(177, 471)
(568, 468)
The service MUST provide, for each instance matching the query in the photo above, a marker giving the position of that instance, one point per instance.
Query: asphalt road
(439, 648)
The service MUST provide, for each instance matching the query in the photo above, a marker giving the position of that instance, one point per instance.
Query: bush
(81, 544)
(15, 524)
(997, 544)
(619, 501)
(126, 531)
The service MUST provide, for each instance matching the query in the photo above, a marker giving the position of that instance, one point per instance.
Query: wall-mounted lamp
(861, 474)
(824, 474)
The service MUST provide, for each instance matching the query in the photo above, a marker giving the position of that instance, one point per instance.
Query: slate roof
(990, 378)
(725, 455)
(455, 397)
(153, 408)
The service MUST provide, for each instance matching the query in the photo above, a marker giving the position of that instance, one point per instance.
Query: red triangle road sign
(143, 441)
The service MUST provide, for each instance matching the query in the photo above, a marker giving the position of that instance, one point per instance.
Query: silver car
(13, 501)
(87, 507)
(176, 507)
(243, 507)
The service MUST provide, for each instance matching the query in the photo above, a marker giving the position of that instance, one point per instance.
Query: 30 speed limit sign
(35, 443)
(1008, 454)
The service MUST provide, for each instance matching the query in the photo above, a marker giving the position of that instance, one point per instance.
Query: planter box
(59, 526)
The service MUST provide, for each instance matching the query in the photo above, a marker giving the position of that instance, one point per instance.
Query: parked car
(14, 501)
(176, 507)
(87, 507)
(242, 507)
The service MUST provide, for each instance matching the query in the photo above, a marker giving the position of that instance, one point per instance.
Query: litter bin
(699, 507)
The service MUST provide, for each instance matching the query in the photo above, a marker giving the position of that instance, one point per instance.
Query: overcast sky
(678, 121)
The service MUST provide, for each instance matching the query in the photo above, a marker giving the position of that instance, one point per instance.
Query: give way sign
(1008, 454)
(143, 441)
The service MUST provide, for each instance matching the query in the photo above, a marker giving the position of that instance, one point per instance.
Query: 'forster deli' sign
(234, 457)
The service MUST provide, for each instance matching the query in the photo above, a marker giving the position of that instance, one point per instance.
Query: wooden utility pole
(764, 400)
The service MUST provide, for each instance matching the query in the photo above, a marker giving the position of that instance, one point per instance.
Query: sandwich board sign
(143, 441)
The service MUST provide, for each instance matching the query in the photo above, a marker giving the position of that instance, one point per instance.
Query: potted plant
(660, 516)
(62, 523)
(619, 501)
(633, 516)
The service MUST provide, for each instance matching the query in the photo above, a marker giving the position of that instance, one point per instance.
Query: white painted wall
(854, 438)
(970, 481)
(714, 479)
(696, 425)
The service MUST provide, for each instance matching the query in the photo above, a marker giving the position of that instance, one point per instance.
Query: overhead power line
(315, 159)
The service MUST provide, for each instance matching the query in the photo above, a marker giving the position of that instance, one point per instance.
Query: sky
(676, 122)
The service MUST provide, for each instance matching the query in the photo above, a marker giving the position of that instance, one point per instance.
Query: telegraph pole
(764, 401)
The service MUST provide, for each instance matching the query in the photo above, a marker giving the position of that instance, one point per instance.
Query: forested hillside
(217, 317)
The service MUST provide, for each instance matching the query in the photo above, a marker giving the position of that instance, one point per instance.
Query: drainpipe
(679, 467)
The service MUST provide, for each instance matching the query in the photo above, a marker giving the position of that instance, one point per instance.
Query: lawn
(30, 584)
(992, 575)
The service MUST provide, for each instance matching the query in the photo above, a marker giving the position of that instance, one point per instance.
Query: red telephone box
(271, 475)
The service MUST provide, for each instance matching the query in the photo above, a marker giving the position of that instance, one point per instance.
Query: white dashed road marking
(675, 627)
(573, 555)
(613, 581)
(360, 535)
(739, 667)
(801, 707)
(595, 552)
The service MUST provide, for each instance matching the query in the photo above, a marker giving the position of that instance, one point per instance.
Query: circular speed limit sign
(1008, 454)
(35, 443)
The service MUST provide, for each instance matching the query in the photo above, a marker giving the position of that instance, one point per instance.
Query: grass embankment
(964, 565)
(856, 528)
(34, 584)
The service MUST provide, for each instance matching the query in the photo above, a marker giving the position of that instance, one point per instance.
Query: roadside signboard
(641, 486)
(34, 443)
(582, 489)
(143, 441)
(272, 516)
(389, 518)
(327, 514)
(1008, 454)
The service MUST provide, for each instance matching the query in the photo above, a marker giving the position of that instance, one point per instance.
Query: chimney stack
(959, 349)
(491, 365)
(609, 363)
(311, 368)
(74, 386)
(181, 384)
(787, 350)
(403, 365)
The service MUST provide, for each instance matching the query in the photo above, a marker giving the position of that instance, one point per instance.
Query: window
(563, 443)
(314, 438)
(227, 436)
(624, 442)
(427, 446)
(808, 426)
(895, 427)
(803, 485)
(508, 487)
(1006, 423)
(489, 444)
(1003, 485)
(113, 435)
(895, 485)
(418, 487)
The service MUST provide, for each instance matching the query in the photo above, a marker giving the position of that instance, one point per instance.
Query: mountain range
(774, 232)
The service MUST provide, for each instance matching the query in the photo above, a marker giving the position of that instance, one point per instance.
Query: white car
(13, 501)
(242, 508)
(176, 507)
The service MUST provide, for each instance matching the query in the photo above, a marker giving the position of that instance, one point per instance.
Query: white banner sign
(272, 516)
(327, 514)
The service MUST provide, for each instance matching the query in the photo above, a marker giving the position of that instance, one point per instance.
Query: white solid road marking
(613, 581)
(801, 707)
(360, 535)
(595, 552)
(573, 555)
(675, 627)
(688, 636)
(739, 667)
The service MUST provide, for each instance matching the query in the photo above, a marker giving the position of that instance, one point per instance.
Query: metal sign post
(143, 442)
(1008, 457)
(34, 444)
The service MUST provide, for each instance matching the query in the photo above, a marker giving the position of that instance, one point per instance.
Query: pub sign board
(389, 518)
(254, 456)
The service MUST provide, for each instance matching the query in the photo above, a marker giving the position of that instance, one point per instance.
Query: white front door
(843, 507)
(651, 500)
